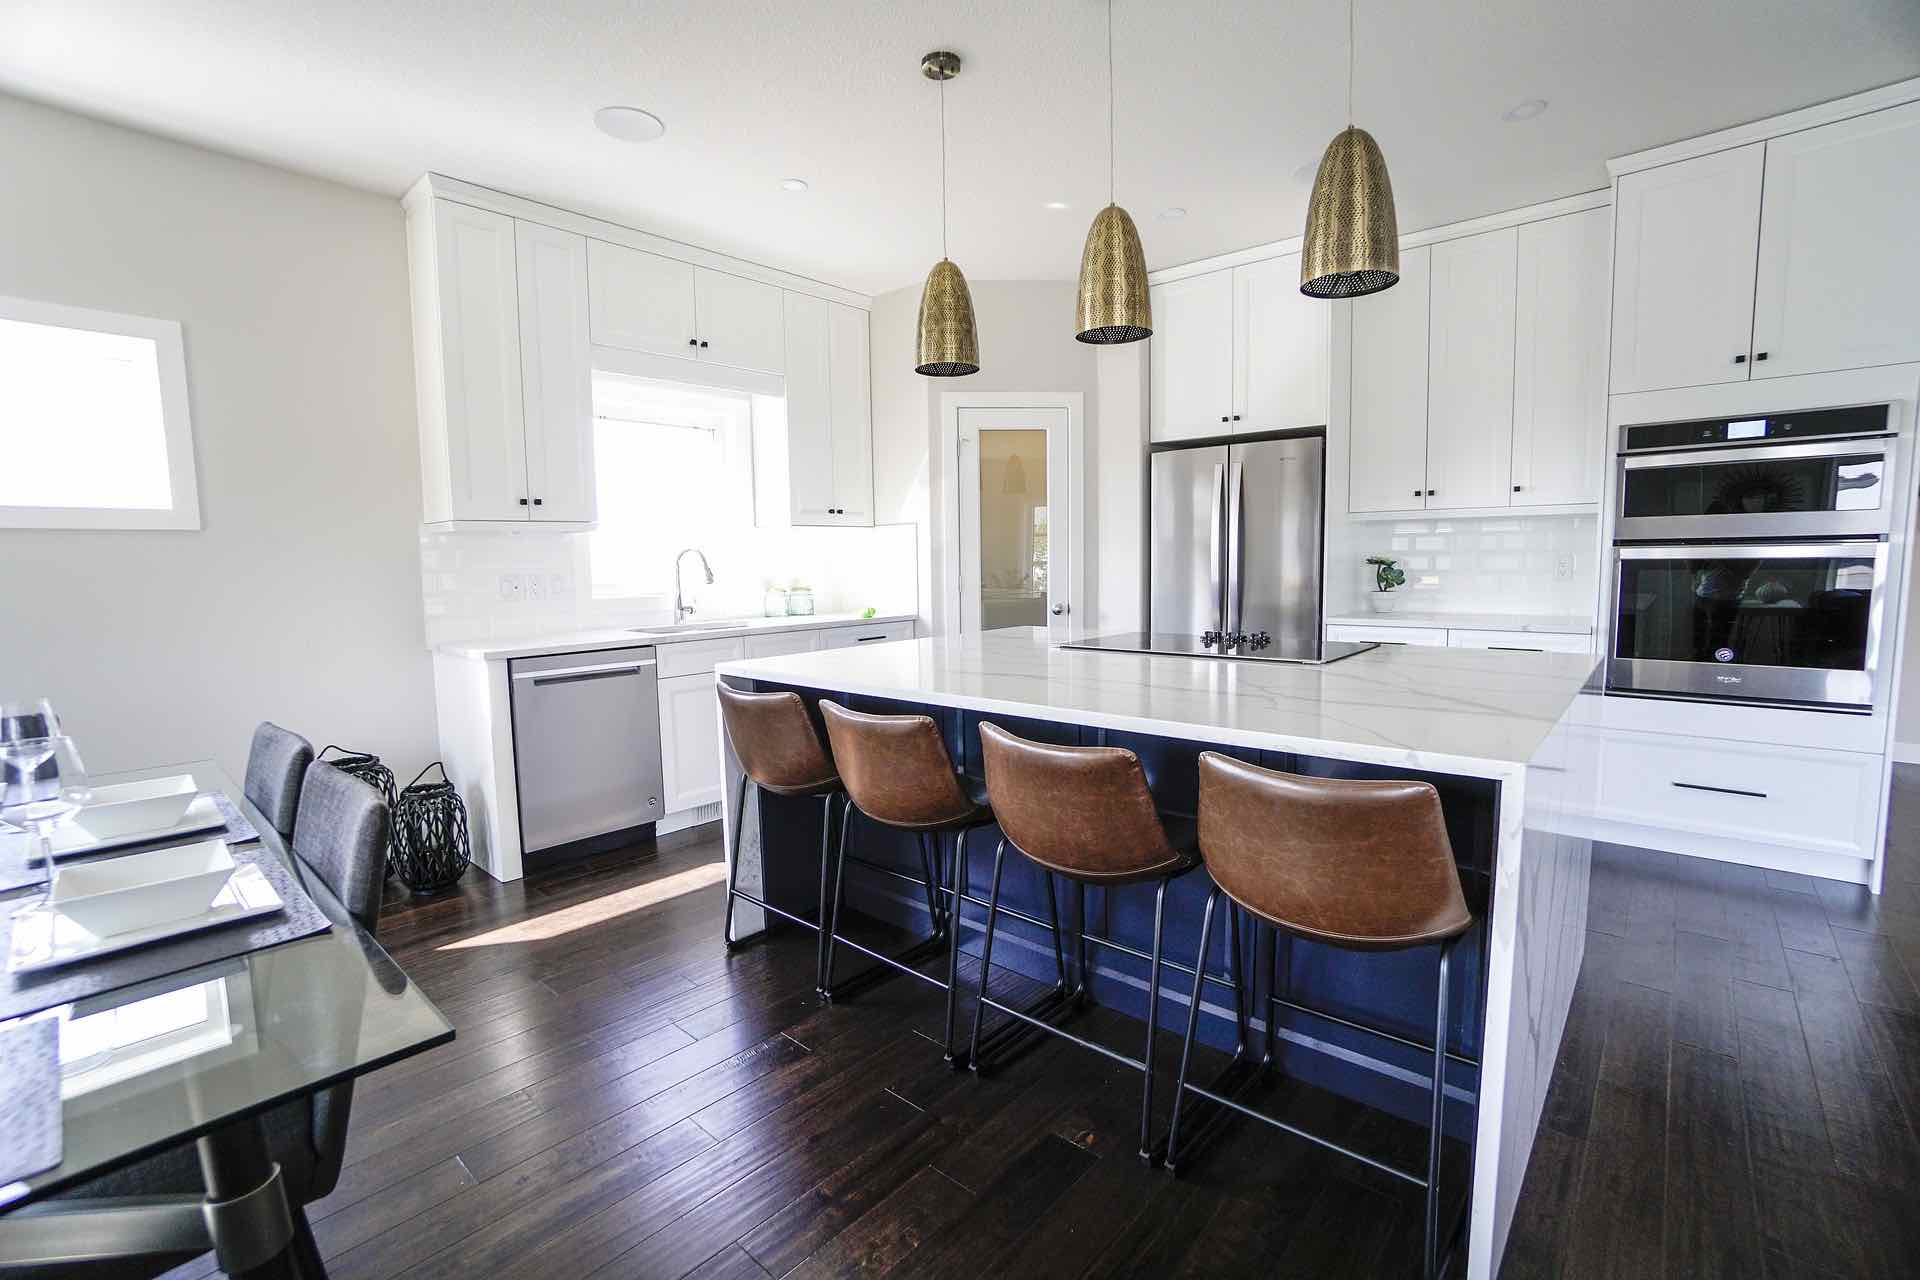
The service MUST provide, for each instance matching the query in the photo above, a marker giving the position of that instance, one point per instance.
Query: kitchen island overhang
(1499, 734)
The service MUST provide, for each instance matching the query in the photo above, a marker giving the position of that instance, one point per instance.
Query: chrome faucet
(680, 607)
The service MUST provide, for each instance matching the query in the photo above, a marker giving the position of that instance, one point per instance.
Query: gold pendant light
(946, 345)
(1114, 305)
(1353, 237)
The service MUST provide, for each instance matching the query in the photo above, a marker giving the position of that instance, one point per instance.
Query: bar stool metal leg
(1147, 1151)
(733, 867)
(1193, 1025)
(830, 918)
(1436, 1135)
(986, 955)
(958, 890)
(1059, 954)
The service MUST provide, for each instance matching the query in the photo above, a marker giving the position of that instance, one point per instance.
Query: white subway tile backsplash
(1505, 564)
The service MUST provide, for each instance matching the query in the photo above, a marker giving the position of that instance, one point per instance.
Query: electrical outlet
(536, 586)
(512, 587)
(1563, 567)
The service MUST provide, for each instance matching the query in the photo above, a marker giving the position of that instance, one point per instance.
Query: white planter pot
(1383, 601)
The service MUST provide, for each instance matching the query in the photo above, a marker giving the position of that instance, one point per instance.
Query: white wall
(299, 601)
(1026, 344)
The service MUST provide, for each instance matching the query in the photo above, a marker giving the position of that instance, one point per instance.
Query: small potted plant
(1387, 576)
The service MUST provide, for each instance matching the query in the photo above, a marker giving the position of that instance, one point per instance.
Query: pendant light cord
(943, 169)
(1351, 4)
(1110, 101)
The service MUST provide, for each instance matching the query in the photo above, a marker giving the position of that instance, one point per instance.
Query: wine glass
(27, 729)
(41, 802)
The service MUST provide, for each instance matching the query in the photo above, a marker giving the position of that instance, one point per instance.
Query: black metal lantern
(430, 846)
(365, 766)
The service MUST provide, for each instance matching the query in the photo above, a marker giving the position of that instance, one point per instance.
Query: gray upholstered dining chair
(276, 767)
(341, 838)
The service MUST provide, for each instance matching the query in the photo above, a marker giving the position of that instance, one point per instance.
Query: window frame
(170, 361)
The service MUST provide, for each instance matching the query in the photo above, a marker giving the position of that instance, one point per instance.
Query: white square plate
(45, 939)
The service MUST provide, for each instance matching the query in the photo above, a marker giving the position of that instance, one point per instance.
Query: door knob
(1059, 609)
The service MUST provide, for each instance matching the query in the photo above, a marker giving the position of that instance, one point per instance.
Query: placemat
(15, 873)
(29, 1099)
(22, 993)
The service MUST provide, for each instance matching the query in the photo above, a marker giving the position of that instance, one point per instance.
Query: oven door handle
(1734, 455)
(1876, 547)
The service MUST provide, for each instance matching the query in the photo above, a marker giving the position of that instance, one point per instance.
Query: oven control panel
(1811, 424)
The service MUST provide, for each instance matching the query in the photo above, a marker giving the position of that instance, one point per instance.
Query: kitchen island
(1499, 734)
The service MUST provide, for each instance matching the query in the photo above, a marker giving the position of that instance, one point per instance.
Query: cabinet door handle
(1723, 791)
(1416, 493)
(1431, 492)
(1236, 417)
(538, 501)
(1516, 488)
(1759, 355)
(1739, 359)
(703, 344)
(693, 342)
(523, 502)
(1223, 417)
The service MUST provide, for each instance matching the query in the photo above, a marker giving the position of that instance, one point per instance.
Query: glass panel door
(1013, 497)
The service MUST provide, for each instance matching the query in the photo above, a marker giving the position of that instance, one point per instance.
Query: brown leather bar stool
(898, 774)
(780, 754)
(1083, 813)
(1361, 865)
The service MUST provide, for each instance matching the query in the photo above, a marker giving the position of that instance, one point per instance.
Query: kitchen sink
(675, 628)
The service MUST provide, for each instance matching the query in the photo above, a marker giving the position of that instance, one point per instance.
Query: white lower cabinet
(847, 637)
(1529, 641)
(1389, 635)
(689, 741)
(1758, 793)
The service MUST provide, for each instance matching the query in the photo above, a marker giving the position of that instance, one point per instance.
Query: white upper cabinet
(1388, 438)
(641, 301)
(852, 416)
(1190, 377)
(1840, 247)
(1560, 360)
(556, 374)
(738, 321)
(648, 302)
(1684, 271)
(1280, 347)
(1470, 372)
(816, 468)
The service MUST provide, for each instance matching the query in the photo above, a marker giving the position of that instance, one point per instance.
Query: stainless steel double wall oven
(1750, 558)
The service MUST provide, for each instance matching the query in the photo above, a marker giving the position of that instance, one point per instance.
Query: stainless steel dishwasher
(586, 745)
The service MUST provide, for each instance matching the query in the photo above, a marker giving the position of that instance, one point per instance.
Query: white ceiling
(1220, 105)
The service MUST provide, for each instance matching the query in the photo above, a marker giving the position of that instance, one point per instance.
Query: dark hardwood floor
(1737, 1096)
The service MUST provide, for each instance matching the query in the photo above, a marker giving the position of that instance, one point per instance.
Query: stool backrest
(896, 768)
(1356, 863)
(1084, 811)
(276, 766)
(341, 834)
(774, 738)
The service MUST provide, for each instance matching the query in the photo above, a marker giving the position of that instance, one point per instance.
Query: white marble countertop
(619, 638)
(1570, 624)
(1465, 711)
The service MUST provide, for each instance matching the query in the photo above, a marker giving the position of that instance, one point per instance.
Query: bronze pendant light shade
(946, 344)
(1113, 305)
(1353, 237)
(1352, 245)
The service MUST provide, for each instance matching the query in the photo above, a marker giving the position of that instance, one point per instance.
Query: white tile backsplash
(461, 579)
(1496, 564)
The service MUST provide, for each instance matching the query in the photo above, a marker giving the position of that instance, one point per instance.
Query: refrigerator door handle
(1236, 529)
(1216, 567)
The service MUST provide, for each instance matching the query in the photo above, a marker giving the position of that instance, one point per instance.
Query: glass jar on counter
(775, 605)
(800, 601)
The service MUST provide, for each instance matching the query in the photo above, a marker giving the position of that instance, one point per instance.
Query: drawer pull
(1516, 648)
(1724, 791)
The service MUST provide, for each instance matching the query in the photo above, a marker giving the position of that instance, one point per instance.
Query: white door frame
(1074, 402)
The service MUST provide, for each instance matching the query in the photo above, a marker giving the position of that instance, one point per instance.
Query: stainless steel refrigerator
(1236, 540)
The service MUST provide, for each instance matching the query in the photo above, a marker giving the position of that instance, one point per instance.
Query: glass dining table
(199, 1056)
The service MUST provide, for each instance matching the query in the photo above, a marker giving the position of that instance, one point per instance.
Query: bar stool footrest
(902, 961)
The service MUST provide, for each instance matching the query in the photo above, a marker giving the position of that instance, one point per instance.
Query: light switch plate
(1563, 567)
(536, 586)
(512, 587)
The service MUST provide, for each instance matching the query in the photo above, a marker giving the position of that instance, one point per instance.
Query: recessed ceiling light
(629, 124)
(1174, 211)
(1524, 110)
(1054, 204)
(793, 184)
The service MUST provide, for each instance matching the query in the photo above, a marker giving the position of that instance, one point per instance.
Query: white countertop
(620, 638)
(1569, 624)
(1464, 711)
